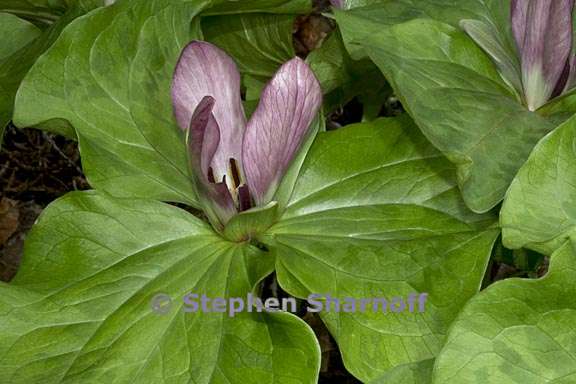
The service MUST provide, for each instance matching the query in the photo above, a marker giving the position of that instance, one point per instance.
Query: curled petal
(205, 70)
(203, 137)
(543, 33)
(278, 127)
(202, 140)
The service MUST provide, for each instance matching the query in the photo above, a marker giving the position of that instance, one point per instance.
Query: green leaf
(516, 331)
(109, 77)
(376, 212)
(259, 43)
(560, 108)
(342, 78)
(374, 15)
(453, 92)
(268, 6)
(15, 66)
(21, 33)
(43, 11)
(81, 308)
(540, 208)
(247, 225)
(415, 373)
(488, 37)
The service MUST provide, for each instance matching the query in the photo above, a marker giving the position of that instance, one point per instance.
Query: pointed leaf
(109, 77)
(376, 213)
(100, 294)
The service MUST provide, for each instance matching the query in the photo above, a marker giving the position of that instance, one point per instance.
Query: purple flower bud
(237, 164)
(543, 33)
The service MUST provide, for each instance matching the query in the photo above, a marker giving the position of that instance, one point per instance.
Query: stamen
(244, 199)
(235, 173)
(211, 175)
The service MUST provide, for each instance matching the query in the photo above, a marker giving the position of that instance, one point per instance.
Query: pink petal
(205, 70)
(288, 105)
(543, 33)
(202, 139)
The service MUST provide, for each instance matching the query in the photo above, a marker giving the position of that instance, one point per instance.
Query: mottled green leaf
(373, 15)
(516, 331)
(415, 373)
(540, 208)
(452, 90)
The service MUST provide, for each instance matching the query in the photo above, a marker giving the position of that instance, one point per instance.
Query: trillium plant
(383, 192)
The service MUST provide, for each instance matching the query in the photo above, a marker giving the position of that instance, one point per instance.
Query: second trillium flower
(238, 164)
(545, 66)
(543, 33)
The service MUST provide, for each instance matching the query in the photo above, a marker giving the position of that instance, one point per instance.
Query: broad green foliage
(415, 373)
(540, 208)
(268, 6)
(79, 311)
(259, 43)
(43, 11)
(373, 15)
(452, 90)
(387, 208)
(342, 78)
(376, 213)
(28, 45)
(116, 95)
(21, 33)
(517, 331)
